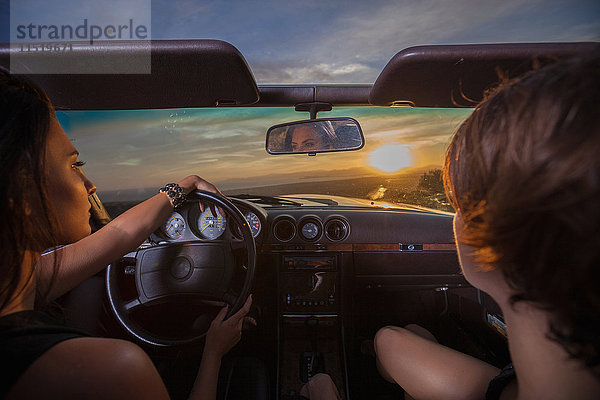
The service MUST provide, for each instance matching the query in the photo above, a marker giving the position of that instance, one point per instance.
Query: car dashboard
(380, 247)
(403, 244)
(317, 255)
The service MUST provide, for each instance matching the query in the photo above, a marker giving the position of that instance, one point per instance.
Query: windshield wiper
(270, 200)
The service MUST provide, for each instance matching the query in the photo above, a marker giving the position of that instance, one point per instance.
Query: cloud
(347, 41)
(358, 41)
(129, 162)
(277, 73)
(175, 18)
(134, 149)
(351, 41)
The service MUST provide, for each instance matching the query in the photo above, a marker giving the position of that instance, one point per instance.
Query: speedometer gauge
(211, 226)
(254, 222)
(174, 226)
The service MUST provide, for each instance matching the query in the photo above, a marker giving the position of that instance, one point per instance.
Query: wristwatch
(175, 193)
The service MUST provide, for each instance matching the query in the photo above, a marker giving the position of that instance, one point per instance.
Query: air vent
(336, 229)
(284, 229)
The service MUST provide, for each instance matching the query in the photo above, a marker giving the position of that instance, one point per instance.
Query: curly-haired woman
(523, 174)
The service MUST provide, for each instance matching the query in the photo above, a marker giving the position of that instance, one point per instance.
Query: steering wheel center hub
(181, 268)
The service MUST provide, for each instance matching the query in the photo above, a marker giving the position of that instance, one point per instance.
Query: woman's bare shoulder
(91, 368)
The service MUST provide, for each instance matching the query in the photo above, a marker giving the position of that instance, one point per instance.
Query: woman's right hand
(224, 334)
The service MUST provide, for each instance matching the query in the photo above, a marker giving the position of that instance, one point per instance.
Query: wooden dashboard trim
(370, 247)
(439, 246)
(376, 247)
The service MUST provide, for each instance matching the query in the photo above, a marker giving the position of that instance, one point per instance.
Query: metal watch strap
(175, 193)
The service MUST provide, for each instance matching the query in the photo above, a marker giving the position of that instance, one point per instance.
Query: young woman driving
(44, 203)
(523, 174)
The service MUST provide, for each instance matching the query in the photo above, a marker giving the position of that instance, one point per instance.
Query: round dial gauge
(211, 226)
(174, 226)
(254, 222)
(310, 230)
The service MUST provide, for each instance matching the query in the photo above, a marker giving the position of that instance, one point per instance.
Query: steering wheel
(196, 271)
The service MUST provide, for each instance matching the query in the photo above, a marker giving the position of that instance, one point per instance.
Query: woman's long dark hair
(28, 222)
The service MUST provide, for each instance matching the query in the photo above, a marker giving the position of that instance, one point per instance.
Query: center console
(310, 339)
(308, 284)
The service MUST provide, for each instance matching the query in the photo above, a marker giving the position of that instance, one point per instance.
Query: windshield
(130, 154)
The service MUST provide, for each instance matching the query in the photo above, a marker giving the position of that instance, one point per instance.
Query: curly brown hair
(523, 171)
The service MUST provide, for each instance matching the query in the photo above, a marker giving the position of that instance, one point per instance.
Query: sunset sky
(350, 41)
(334, 41)
(136, 149)
(309, 41)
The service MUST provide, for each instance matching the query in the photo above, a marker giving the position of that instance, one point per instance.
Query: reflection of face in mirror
(311, 137)
(304, 138)
(314, 136)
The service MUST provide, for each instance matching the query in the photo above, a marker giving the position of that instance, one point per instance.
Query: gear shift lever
(311, 362)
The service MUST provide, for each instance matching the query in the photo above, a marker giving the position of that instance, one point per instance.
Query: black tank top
(499, 382)
(24, 337)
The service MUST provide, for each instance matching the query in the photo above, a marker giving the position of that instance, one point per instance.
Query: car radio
(308, 284)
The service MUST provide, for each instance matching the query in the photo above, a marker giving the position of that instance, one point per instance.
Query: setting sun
(391, 158)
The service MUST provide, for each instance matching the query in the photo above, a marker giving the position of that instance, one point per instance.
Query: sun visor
(458, 75)
(182, 73)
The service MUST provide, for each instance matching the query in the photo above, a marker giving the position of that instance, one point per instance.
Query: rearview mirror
(315, 136)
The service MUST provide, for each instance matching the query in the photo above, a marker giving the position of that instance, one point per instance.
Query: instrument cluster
(191, 223)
